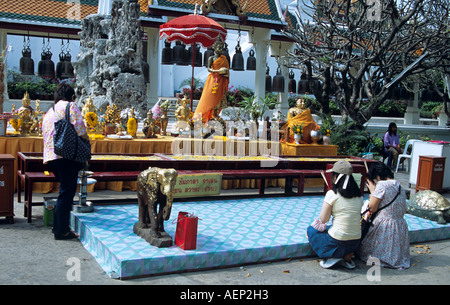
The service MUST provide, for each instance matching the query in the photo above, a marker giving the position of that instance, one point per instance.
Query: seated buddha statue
(300, 115)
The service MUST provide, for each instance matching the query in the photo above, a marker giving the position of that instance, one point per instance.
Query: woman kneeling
(337, 243)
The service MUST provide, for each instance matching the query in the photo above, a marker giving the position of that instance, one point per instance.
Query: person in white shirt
(337, 242)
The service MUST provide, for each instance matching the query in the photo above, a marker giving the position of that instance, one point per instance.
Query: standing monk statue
(214, 95)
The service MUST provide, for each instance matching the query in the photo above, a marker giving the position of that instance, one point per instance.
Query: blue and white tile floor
(230, 232)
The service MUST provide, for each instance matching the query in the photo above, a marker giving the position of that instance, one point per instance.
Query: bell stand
(83, 205)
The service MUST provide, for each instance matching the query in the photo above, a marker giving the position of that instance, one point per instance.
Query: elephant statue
(155, 187)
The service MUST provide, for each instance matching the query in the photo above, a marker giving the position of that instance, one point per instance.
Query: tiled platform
(230, 232)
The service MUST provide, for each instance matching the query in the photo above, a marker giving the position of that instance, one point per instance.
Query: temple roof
(64, 13)
(60, 13)
(263, 11)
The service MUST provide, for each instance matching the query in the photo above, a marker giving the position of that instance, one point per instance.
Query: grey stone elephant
(155, 187)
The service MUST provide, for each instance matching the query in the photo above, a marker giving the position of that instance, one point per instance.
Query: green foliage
(36, 86)
(430, 109)
(237, 95)
(187, 83)
(257, 107)
(350, 141)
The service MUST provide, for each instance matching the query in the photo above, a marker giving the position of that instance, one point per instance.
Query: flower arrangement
(297, 129)
(327, 125)
(165, 106)
(111, 114)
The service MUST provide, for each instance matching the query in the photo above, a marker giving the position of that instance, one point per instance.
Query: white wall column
(153, 62)
(412, 114)
(260, 39)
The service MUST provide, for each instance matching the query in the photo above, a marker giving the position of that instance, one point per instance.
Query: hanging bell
(167, 54)
(197, 56)
(251, 60)
(303, 86)
(26, 62)
(226, 53)
(178, 53)
(187, 58)
(268, 80)
(278, 81)
(67, 71)
(209, 52)
(292, 85)
(41, 64)
(60, 65)
(238, 59)
(46, 67)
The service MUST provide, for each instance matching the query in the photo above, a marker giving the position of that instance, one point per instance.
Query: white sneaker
(330, 262)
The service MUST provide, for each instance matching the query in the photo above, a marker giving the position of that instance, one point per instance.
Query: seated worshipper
(214, 95)
(388, 238)
(391, 141)
(300, 115)
(337, 243)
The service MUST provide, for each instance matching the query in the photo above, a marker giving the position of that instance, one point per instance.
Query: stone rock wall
(109, 66)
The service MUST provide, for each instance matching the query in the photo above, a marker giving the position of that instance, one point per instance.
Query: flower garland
(91, 119)
(132, 126)
(16, 123)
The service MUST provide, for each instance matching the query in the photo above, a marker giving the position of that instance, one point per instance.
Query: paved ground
(30, 255)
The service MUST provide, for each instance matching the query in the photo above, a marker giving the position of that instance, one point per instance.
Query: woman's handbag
(67, 143)
(368, 217)
(186, 232)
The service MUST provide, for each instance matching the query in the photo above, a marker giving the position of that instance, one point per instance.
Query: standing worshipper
(66, 171)
(214, 95)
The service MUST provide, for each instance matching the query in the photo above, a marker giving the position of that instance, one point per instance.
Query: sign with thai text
(197, 185)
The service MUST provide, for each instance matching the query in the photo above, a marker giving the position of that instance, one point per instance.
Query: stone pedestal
(161, 242)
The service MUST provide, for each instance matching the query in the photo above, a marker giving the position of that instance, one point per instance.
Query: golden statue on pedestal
(183, 113)
(150, 128)
(300, 116)
(25, 112)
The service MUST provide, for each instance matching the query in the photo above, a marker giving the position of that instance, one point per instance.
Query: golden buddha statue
(300, 115)
(299, 108)
(182, 114)
(88, 107)
(25, 112)
(150, 128)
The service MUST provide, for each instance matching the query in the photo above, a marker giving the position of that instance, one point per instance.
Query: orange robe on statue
(210, 98)
(308, 122)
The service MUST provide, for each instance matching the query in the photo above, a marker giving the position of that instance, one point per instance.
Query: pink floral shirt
(48, 126)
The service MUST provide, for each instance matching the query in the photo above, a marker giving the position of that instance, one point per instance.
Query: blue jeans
(326, 246)
(66, 171)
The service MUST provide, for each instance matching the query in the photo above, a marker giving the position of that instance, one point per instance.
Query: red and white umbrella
(192, 29)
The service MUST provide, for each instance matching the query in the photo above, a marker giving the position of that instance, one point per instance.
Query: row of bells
(46, 67)
(178, 55)
(277, 85)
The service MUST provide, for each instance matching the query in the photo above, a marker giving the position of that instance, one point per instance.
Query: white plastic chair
(405, 154)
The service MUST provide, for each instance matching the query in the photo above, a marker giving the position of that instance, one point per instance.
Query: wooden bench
(32, 177)
(262, 174)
